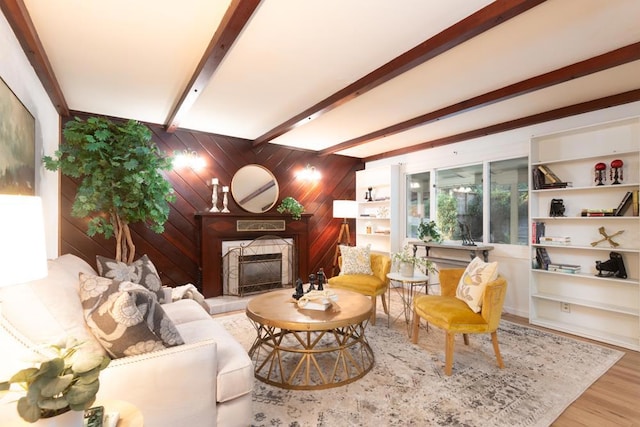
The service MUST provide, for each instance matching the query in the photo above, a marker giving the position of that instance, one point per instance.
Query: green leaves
(119, 168)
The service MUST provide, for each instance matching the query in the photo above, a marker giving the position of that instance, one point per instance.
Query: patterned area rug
(543, 374)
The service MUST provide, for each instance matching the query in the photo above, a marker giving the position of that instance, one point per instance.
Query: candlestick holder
(225, 200)
(214, 199)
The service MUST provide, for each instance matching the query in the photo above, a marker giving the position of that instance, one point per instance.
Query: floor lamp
(344, 209)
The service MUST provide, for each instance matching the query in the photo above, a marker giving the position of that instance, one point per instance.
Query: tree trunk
(125, 249)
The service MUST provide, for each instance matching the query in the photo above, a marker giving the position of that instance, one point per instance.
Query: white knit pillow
(355, 260)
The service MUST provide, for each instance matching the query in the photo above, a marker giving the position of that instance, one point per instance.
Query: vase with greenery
(405, 262)
(68, 381)
(428, 231)
(291, 206)
(118, 169)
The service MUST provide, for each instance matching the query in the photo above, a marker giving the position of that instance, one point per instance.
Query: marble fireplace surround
(216, 228)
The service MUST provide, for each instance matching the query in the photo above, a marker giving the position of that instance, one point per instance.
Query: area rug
(543, 374)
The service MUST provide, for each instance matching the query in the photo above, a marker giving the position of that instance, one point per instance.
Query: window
(418, 201)
(509, 202)
(459, 203)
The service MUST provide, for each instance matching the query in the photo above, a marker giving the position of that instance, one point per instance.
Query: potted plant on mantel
(67, 382)
(120, 181)
(405, 262)
(291, 206)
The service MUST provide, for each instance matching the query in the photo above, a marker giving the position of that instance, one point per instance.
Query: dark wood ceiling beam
(18, 17)
(559, 113)
(602, 62)
(486, 18)
(235, 19)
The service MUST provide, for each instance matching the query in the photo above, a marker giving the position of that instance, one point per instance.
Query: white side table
(406, 287)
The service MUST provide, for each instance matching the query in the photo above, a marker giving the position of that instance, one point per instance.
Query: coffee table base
(311, 360)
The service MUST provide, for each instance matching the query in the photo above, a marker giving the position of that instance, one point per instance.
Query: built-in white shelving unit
(378, 220)
(582, 303)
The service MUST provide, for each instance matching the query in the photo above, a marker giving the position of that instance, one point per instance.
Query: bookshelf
(573, 295)
(378, 219)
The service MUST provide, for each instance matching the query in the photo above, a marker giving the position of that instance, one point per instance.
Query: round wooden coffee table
(306, 349)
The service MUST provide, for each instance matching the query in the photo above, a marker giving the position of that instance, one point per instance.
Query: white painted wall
(19, 75)
(513, 259)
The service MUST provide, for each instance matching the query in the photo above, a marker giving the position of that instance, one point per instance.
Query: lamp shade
(345, 209)
(23, 254)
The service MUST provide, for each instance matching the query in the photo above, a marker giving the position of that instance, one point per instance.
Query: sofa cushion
(125, 317)
(141, 271)
(474, 281)
(235, 374)
(53, 304)
(355, 259)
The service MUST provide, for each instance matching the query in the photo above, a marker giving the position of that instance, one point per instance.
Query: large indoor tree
(118, 167)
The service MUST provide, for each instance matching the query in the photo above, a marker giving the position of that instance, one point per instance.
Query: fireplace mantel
(214, 228)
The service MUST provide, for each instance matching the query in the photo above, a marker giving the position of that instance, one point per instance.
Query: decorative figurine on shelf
(465, 232)
(557, 208)
(613, 267)
(616, 171)
(312, 282)
(368, 195)
(214, 195)
(607, 238)
(225, 199)
(320, 278)
(299, 290)
(601, 173)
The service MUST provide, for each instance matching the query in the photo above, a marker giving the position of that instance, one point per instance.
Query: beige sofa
(205, 382)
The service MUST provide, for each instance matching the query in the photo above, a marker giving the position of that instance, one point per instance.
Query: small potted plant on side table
(68, 381)
(406, 262)
(428, 232)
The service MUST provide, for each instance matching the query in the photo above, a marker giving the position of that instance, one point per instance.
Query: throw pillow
(473, 282)
(141, 271)
(355, 260)
(125, 317)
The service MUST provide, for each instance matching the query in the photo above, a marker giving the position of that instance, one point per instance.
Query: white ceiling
(135, 59)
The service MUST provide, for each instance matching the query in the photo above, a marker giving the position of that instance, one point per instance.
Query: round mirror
(254, 188)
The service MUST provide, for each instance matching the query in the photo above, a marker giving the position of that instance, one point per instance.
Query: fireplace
(259, 265)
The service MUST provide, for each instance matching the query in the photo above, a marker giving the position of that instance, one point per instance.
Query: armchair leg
(384, 304)
(448, 353)
(373, 310)
(496, 349)
(415, 327)
(466, 339)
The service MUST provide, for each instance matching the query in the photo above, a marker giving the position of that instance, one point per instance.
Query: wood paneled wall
(175, 251)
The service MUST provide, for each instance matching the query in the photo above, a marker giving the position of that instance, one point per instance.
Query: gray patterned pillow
(142, 272)
(125, 317)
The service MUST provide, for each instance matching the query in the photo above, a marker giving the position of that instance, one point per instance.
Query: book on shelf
(543, 258)
(548, 173)
(537, 230)
(537, 179)
(626, 201)
(564, 268)
(555, 240)
(636, 207)
(559, 184)
(598, 212)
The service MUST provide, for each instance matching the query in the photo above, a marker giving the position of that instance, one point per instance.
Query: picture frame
(17, 145)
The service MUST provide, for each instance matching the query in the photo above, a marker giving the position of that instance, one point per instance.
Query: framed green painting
(17, 145)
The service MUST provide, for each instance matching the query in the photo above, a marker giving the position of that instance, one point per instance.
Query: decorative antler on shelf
(607, 238)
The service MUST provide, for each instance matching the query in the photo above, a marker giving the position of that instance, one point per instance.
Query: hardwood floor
(614, 399)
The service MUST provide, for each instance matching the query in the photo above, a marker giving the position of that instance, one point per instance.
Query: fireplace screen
(259, 265)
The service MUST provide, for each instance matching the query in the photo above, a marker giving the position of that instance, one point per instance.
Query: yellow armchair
(447, 312)
(367, 284)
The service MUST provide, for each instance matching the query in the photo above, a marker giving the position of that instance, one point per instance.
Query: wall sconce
(188, 159)
(309, 173)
